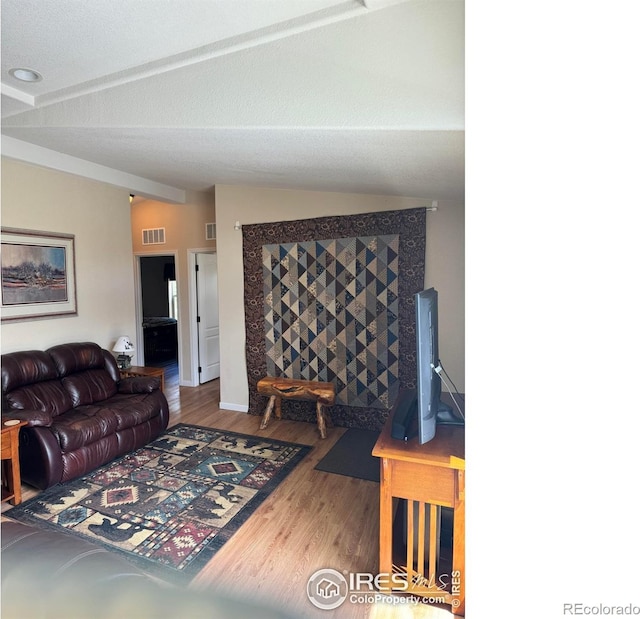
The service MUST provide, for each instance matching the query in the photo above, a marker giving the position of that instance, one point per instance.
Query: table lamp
(124, 348)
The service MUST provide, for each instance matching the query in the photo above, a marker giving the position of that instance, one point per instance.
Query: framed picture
(38, 275)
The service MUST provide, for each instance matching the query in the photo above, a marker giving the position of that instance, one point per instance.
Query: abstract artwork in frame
(38, 275)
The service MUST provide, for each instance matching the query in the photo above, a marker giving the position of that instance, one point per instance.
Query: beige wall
(184, 223)
(445, 272)
(101, 219)
(250, 205)
(185, 234)
(98, 215)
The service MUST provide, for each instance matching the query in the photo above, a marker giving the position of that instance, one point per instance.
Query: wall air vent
(210, 232)
(153, 236)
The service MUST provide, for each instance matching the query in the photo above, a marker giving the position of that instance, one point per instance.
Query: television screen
(429, 385)
(419, 411)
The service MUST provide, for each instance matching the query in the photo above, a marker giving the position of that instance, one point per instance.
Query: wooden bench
(323, 394)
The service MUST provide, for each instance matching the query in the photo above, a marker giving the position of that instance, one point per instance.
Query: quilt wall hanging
(331, 299)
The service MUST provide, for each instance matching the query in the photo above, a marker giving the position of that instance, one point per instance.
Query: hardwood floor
(313, 520)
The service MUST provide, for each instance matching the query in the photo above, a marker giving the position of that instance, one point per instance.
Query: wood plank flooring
(313, 520)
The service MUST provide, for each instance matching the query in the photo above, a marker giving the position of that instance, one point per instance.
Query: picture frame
(38, 275)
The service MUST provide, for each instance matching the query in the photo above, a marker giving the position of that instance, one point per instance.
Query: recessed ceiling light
(26, 75)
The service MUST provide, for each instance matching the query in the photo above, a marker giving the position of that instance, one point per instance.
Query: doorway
(159, 303)
(208, 321)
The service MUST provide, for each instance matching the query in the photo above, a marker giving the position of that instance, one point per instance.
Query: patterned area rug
(171, 505)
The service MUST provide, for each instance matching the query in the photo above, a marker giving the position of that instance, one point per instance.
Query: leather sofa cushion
(48, 396)
(132, 410)
(75, 357)
(25, 368)
(82, 426)
(87, 424)
(89, 386)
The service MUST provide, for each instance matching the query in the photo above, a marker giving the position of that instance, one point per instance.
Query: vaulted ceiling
(163, 96)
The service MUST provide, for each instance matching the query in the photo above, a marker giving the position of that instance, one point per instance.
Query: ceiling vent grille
(153, 236)
(210, 232)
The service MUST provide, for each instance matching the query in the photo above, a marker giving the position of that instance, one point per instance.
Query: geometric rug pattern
(331, 314)
(169, 506)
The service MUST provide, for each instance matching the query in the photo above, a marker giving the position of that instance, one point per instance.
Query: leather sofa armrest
(32, 417)
(139, 384)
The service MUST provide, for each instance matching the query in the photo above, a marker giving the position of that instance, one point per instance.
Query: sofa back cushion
(49, 396)
(76, 357)
(30, 382)
(88, 372)
(25, 368)
(89, 386)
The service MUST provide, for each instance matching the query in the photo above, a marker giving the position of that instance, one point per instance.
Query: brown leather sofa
(54, 575)
(81, 414)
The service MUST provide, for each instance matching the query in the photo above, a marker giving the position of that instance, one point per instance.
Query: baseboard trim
(240, 408)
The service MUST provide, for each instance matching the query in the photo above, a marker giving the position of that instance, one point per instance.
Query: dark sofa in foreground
(81, 414)
(50, 574)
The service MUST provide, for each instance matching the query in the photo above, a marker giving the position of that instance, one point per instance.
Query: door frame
(137, 276)
(193, 309)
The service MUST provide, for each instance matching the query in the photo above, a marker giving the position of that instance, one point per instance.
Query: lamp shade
(124, 345)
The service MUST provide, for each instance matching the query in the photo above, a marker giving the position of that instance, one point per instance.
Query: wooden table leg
(321, 421)
(386, 518)
(278, 407)
(14, 475)
(11, 485)
(267, 412)
(458, 564)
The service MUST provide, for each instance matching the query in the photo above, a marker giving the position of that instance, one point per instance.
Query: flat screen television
(419, 411)
(429, 385)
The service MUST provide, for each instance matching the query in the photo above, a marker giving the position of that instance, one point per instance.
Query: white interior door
(208, 320)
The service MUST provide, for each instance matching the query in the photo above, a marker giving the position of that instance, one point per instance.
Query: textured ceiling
(361, 96)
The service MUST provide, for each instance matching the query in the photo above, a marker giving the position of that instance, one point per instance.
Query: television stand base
(447, 417)
(404, 425)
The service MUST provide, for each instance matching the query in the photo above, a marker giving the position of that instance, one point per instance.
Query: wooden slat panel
(434, 540)
(410, 538)
(421, 538)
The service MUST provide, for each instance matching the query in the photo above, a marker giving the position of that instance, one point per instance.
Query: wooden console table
(428, 477)
(11, 484)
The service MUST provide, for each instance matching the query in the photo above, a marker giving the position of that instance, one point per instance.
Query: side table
(139, 370)
(11, 485)
(427, 477)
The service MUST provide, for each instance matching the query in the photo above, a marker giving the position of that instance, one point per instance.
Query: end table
(11, 484)
(428, 476)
